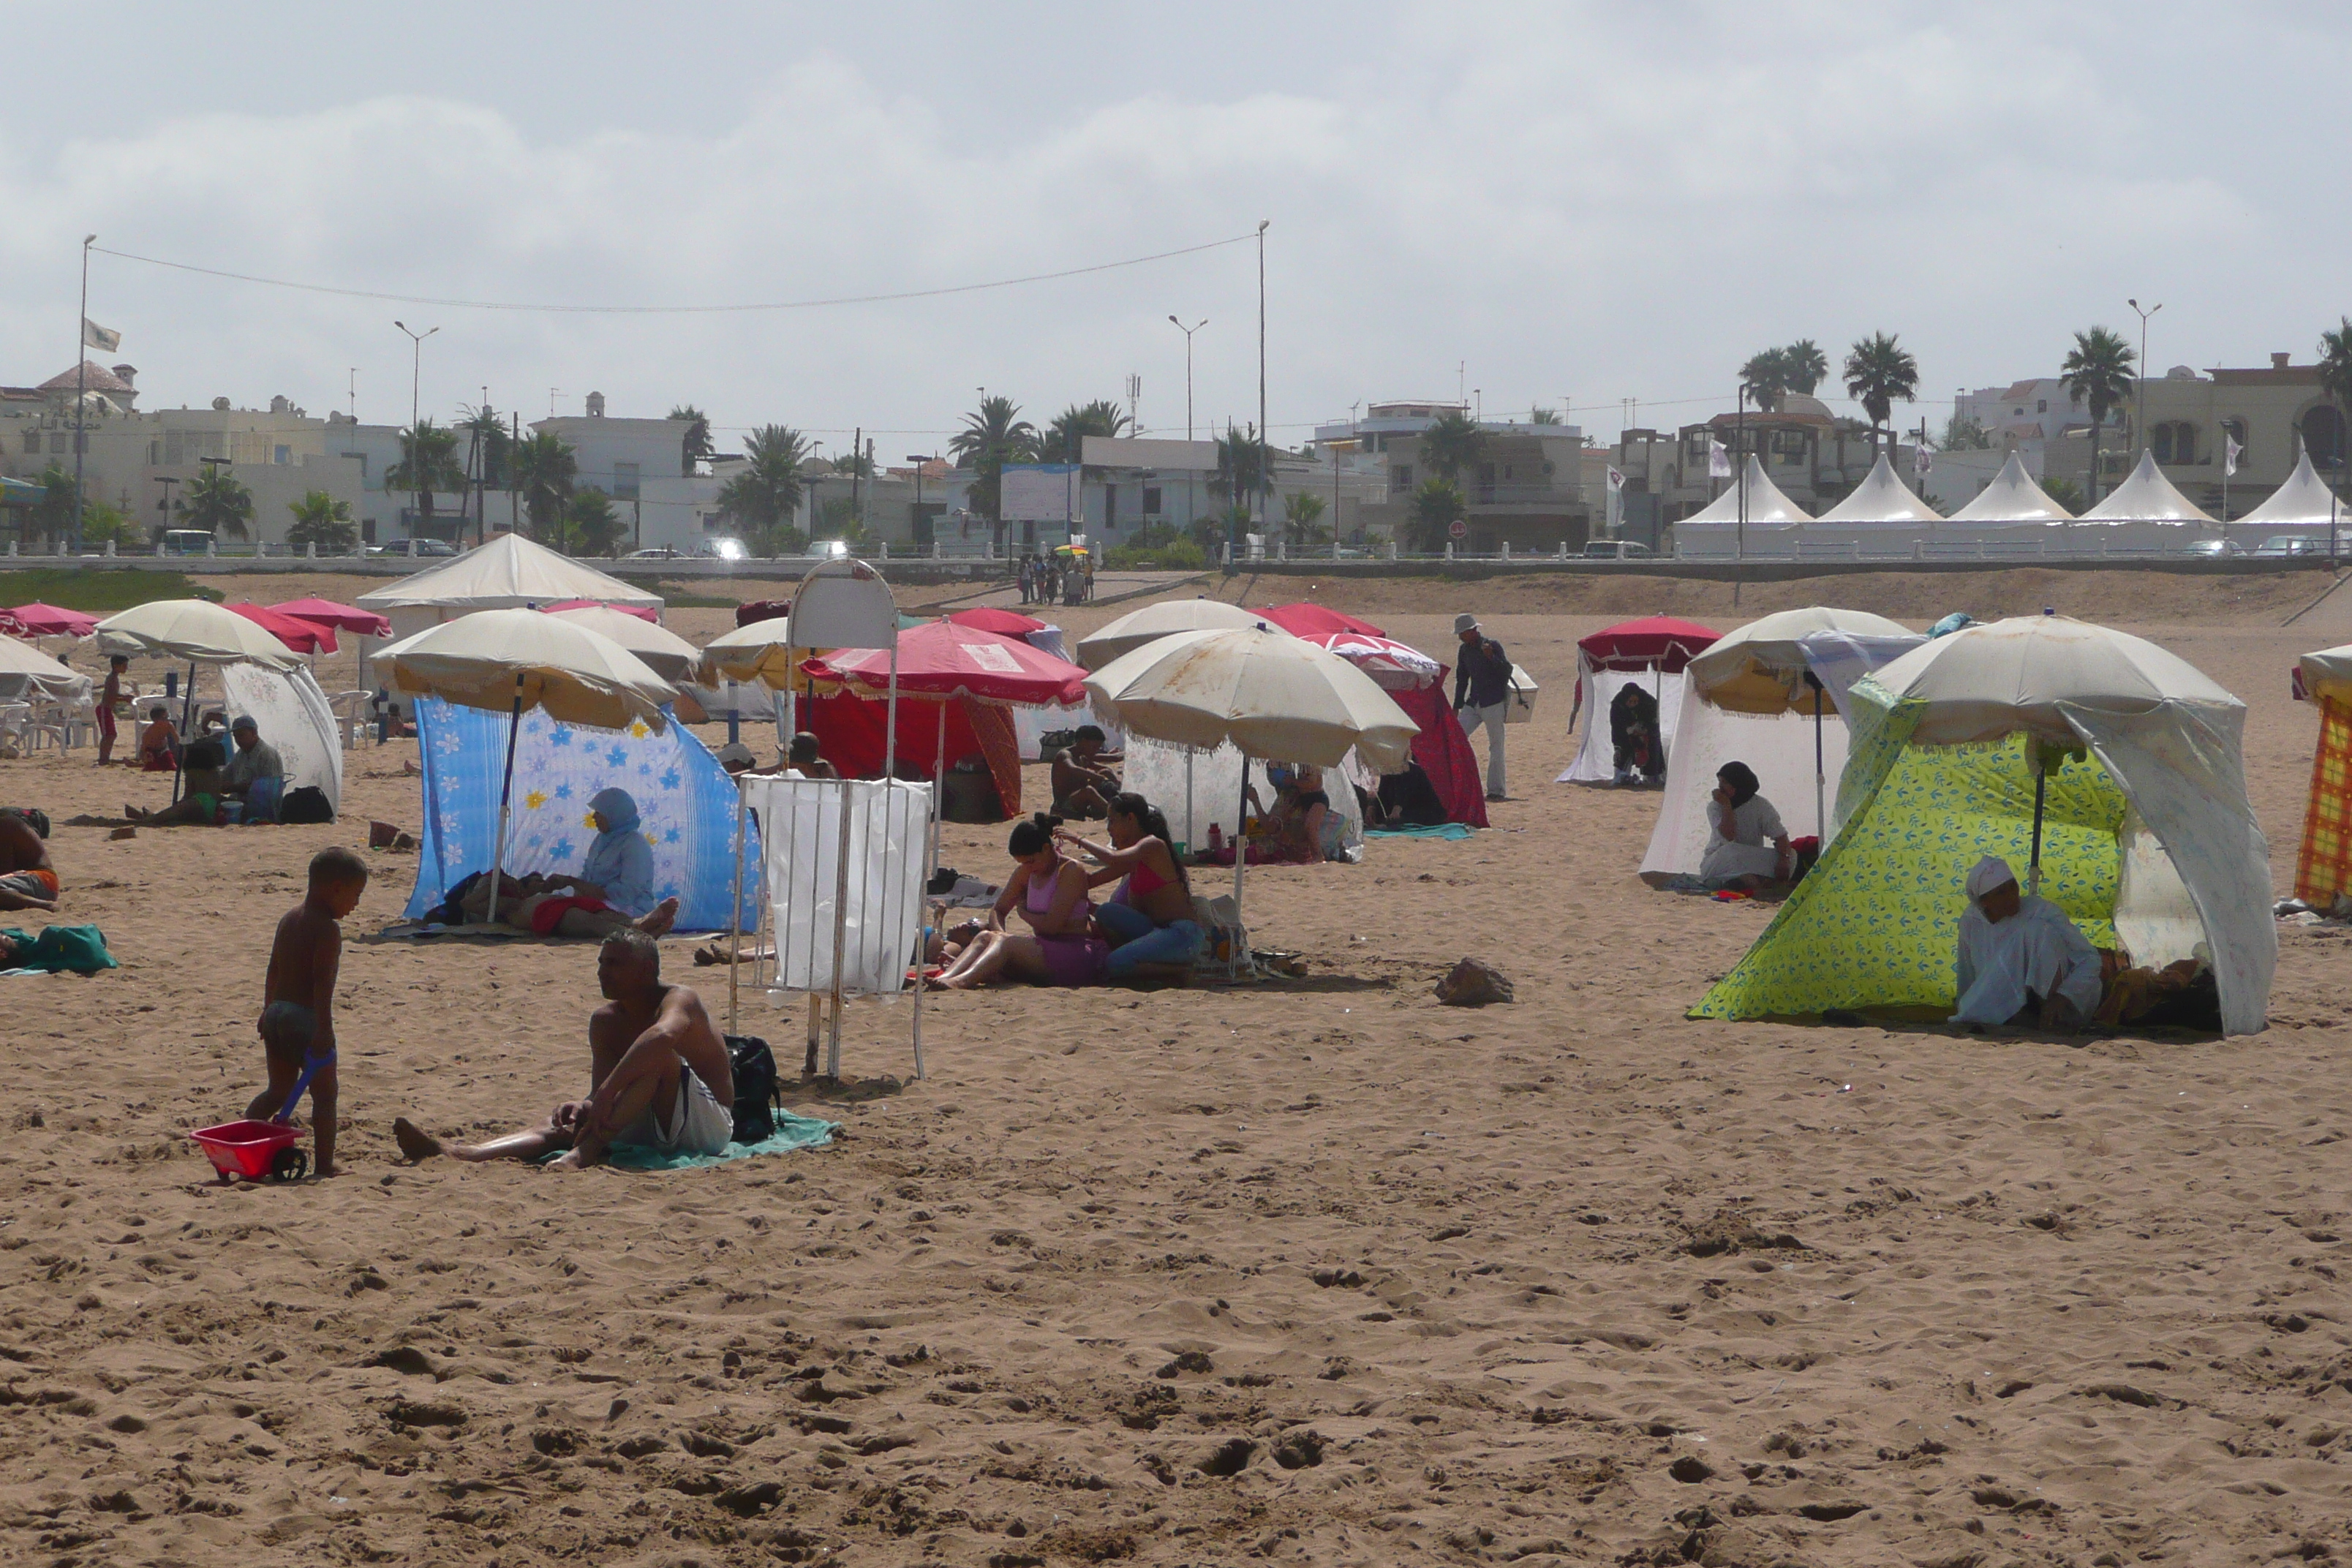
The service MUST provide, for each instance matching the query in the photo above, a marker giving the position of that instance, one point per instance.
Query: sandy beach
(1315, 1271)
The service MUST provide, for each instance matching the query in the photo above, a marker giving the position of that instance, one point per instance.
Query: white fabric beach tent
(1881, 513)
(2302, 505)
(2013, 501)
(1715, 529)
(2146, 511)
(1745, 699)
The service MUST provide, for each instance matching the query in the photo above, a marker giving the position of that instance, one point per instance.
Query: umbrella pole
(840, 930)
(1189, 842)
(506, 791)
(1820, 778)
(938, 794)
(187, 720)
(890, 718)
(1241, 855)
(2040, 788)
(735, 914)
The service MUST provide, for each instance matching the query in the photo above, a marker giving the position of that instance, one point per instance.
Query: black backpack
(753, 1068)
(308, 804)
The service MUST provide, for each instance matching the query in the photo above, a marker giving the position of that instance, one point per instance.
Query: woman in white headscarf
(2022, 961)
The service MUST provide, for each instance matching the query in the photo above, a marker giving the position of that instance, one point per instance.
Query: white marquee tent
(2303, 502)
(2013, 501)
(2145, 510)
(1881, 499)
(1715, 531)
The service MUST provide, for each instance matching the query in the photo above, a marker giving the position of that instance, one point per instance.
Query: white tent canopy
(28, 675)
(1777, 747)
(2146, 497)
(1768, 506)
(509, 572)
(1881, 498)
(1596, 757)
(2302, 501)
(2011, 500)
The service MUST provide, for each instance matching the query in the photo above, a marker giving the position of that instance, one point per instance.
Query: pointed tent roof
(2145, 497)
(509, 572)
(1767, 506)
(2305, 500)
(2012, 498)
(1881, 498)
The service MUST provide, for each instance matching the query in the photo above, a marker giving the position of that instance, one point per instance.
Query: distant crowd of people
(1056, 579)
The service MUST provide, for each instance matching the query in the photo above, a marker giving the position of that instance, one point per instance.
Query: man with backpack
(1481, 693)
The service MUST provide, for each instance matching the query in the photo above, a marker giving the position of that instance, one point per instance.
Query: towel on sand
(1442, 830)
(81, 949)
(791, 1132)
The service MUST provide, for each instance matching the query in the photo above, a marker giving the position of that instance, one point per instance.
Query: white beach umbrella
(508, 660)
(665, 652)
(27, 671)
(1269, 694)
(762, 651)
(197, 630)
(1137, 627)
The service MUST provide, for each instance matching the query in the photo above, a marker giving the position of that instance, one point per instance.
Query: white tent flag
(1923, 461)
(1616, 480)
(104, 339)
(1718, 459)
(2230, 451)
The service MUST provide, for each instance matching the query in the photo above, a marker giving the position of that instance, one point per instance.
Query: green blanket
(791, 1132)
(81, 949)
(1442, 830)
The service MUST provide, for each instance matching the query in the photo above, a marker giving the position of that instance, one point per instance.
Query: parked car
(723, 549)
(652, 553)
(1615, 550)
(183, 542)
(2216, 547)
(2291, 544)
(420, 547)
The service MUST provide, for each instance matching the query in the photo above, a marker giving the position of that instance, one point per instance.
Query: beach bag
(753, 1066)
(308, 804)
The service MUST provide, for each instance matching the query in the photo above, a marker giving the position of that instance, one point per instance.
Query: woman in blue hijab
(619, 868)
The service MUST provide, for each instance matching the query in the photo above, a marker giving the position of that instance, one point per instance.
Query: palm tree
(1879, 374)
(1302, 513)
(858, 463)
(2098, 373)
(320, 519)
(428, 462)
(1437, 506)
(694, 446)
(1064, 440)
(591, 526)
(2335, 380)
(1540, 416)
(1766, 378)
(1805, 365)
(489, 450)
(545, 470)
(53, 513)
(992, 436)
(215, 502)
(1452, 443)
(763, 497)
(103, 524)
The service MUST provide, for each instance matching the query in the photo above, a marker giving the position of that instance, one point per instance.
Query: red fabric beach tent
(51, 621)
(1306, 619)
(302, 636)
(342, 617)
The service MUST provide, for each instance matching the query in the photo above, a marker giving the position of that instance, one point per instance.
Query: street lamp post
(415, 376)
(2139, 409)
(915, 518)
(1265, 445)
(1191, 502)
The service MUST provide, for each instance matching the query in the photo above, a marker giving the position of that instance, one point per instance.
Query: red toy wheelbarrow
(256, 1150)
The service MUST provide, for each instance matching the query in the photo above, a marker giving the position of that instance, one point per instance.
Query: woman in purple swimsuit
(1050, 891)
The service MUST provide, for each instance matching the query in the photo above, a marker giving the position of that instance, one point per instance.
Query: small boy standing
(109, 697)
(298, 1002)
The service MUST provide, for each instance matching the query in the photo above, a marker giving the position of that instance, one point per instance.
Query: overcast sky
(1568, 202)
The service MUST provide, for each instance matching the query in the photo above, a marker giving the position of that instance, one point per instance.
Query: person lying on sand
(27, 881)
(658, 1075)
(1050, 891)
(298, 995)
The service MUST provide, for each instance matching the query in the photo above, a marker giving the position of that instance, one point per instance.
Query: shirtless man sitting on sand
(657, 1074)
(27, 881)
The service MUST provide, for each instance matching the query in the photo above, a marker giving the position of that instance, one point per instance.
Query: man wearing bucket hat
(1481, 693)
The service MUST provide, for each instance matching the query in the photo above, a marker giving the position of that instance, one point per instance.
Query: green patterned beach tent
(2147, 841)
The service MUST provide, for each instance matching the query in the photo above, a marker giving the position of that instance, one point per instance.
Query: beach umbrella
(342, 617)
(641, 611)
(761, 650)
(195, 630)
(1984, 682)
(1135, 629)
(51, 621)
(507, 661)
(1394, 666)
(302, 636)
(1003, 622)
(1660, 643)
(1270, 695)
(1307, 619)
(1762, 669)
(27, 671)
(665, 652)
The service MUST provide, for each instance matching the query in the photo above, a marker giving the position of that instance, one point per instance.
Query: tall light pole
(914, 520)
(1264, 442)
(81, 385)
(2139, 410)
(1192, 502)
(415, 376)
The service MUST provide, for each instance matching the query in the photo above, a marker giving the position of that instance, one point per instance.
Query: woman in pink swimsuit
(1050, 891)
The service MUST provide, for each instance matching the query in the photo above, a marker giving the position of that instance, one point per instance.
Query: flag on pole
(1718, 459)
(2230, 452)
(1923, 461)
(94, 336)
(1616, 482)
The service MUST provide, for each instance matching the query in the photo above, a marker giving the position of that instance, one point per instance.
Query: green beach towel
(1442, 830)
(791, 1132)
